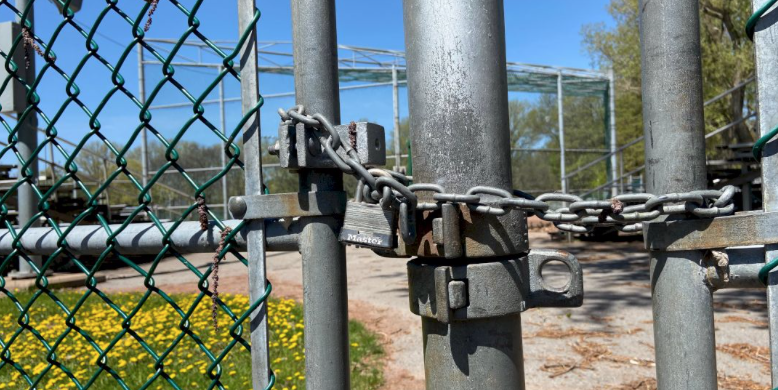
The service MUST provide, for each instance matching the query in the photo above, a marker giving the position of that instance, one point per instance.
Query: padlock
(369, 225)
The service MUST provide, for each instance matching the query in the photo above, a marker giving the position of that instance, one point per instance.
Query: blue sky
(542, 32)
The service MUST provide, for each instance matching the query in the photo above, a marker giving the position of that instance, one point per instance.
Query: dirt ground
(606, 344)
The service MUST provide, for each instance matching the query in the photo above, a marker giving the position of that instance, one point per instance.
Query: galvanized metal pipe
(612, 131)
(223, 155)
(252, 159)
(325, 297)
(458, 93)
(674, 131)
(766, 48)
(396, 115)
(27, 201)
(458, 101)
(147, 239)
(736, 276)
(144, 143)
(474, 354)
(561, 120)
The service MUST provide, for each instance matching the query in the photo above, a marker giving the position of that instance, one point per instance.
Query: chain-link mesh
(124, 325)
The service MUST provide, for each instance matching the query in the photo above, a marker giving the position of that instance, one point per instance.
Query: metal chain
(393, 190)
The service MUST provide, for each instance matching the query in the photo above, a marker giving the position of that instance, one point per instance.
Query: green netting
(520, 79)
(26, 304)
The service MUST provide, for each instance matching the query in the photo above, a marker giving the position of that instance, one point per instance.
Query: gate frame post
(255, 236)
(28, 142)
(674, 129)
(325, 297)
(766, 54)
(458, 105)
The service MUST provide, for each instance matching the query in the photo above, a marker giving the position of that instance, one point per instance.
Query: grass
(185, 366)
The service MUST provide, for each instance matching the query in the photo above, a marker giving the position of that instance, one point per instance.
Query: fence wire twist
(186, 332)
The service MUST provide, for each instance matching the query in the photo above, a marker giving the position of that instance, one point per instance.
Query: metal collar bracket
(455, 231)
(302, 204)
(299, 147)
(458, 293)
(749, 228)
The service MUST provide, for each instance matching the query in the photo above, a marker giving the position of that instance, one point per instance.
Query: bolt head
(237, 206)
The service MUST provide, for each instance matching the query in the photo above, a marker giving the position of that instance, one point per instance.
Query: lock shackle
(382, 182)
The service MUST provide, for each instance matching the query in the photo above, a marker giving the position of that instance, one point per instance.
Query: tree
(535, 125)
(727, 60)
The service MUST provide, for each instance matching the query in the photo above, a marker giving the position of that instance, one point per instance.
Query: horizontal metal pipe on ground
(146, 239)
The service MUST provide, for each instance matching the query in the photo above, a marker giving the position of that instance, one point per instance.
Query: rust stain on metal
(152, 9)
(215, 278)
(202, 211)
(29, 42)
(352, 134)
(482, 235)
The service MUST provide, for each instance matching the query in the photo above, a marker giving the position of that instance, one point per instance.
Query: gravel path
(607, 343)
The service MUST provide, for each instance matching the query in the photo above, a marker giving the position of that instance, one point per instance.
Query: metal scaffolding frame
(371, 67)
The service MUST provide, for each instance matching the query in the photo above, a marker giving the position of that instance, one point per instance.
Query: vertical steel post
(766, 48)
(325, 299)
(252, 158)
(28, 141)
(612, 130)
(673, 125)
(621, 171)
(561, 112)
(144, 152)
(458, 101)
(223, 121)
(396, 112)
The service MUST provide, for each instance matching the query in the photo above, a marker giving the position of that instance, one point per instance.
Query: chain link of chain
(625, 212)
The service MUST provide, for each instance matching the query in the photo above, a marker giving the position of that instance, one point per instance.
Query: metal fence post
(325, 299)
(144, 142)
(458, 101)
(252, 158)
(561, 115)
(223, 122)
(396, 115)
(28, 141)
(675, 162)
(766, 48)
(612, 131)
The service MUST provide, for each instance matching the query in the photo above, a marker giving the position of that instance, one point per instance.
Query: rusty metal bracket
(750, 228)
(299, 146)
(461, 292)
(302, 204)
(473, 235)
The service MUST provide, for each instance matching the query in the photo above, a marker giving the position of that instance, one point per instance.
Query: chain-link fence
(164, 332)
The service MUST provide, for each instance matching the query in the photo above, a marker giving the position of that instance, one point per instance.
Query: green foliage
(172, 188)
(536, 125)
(727, 60)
